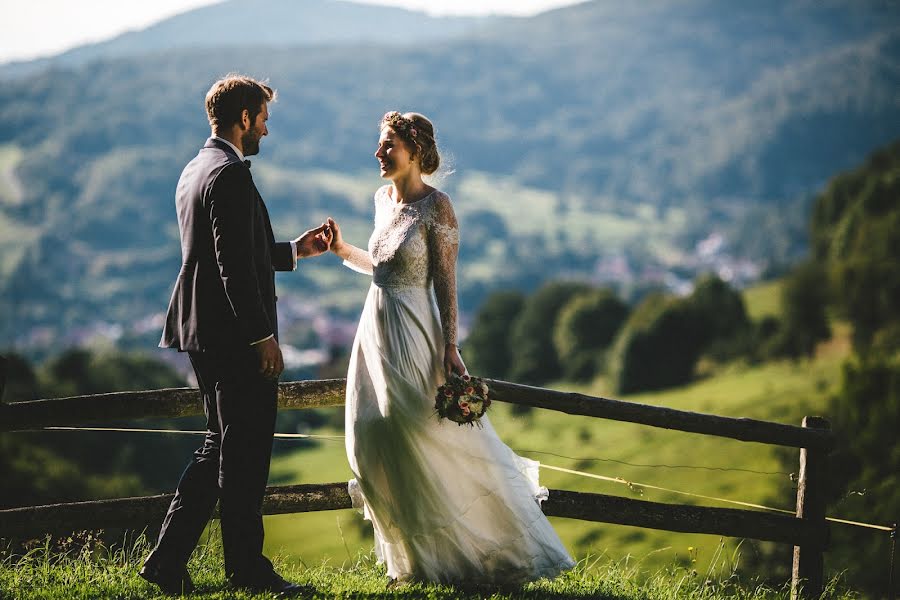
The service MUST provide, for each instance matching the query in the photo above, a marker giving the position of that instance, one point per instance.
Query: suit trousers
(232, 466)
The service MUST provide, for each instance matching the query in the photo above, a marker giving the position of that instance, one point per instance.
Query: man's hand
(271, 363)
(314, 242)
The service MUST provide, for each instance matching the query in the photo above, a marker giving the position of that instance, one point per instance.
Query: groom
(222, 313)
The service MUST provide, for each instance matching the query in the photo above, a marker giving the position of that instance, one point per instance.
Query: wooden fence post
(807, 577)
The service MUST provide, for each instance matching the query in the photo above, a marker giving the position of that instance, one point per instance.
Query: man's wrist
(260, 341)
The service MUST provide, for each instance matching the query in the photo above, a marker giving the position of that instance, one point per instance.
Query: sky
(38, 28)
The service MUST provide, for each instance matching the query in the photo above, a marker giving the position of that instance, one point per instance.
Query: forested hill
(584, 133)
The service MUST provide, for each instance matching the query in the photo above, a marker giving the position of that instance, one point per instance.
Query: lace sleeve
(359, 260)
(443, 246)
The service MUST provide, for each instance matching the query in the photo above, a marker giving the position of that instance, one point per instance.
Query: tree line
(568, 330)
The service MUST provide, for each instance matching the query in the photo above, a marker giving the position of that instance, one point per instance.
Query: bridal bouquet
(462, 399)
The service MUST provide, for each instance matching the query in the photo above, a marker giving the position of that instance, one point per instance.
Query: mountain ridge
(277, 23)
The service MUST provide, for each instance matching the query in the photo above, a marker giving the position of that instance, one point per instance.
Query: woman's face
(393, 154)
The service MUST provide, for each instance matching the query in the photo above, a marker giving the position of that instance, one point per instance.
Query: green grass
(84, 569)
(763, 300)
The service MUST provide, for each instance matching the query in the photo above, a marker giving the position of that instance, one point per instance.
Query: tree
(865, 464)
(721, 306)
(60, 466)
(487, 348)
(20, 379)
(804, 323)
(856, 238)
(534, 359)
(586, 326)
(658, 346)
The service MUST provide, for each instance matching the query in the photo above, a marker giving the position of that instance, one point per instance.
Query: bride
(449, 504)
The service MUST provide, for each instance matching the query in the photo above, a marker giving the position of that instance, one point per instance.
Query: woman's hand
(453, 362)
(337, 239)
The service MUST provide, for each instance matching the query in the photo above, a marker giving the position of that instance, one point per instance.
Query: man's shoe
(173, 581)
(275, 584)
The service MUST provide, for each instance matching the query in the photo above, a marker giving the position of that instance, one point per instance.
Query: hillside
(643, 130)
(783, 392)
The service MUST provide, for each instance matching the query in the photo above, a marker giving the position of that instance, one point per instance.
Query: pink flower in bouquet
(466, 377)
(470, 390)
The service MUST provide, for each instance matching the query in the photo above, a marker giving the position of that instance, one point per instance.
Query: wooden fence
(807, 531)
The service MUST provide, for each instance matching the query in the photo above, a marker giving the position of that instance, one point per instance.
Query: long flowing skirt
(448, 504)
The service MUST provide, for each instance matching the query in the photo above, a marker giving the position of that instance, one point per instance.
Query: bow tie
(247, 163)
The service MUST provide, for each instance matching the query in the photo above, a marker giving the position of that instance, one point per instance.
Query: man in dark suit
(222, 313)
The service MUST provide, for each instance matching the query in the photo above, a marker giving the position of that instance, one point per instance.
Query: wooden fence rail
(807, 532)
(147, 511)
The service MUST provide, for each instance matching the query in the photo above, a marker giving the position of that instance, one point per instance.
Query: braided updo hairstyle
(418, 132)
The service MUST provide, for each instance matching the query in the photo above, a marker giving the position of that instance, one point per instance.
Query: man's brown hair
(228, 97)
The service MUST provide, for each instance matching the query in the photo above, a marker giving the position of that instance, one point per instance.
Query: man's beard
(250, 142)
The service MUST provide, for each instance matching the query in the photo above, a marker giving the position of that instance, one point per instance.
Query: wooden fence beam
(148, 511)
(183, 402)
(137, 513)
(152, 404)
(748, 430)
(729, 522)
(808, 573)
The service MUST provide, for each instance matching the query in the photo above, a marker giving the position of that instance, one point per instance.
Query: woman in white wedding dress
(449, 504)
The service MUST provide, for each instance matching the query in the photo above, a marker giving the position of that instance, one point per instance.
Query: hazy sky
(34, 28)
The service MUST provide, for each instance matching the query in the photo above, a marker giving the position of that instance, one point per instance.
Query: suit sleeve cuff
(268, 337)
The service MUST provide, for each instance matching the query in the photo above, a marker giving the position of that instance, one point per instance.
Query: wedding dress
(448, 504)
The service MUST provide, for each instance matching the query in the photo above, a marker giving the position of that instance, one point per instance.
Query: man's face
(250, 138)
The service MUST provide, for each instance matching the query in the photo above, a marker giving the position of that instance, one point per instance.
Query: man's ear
(245, 119)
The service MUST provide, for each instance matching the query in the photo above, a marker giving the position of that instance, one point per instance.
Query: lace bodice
(414, 245)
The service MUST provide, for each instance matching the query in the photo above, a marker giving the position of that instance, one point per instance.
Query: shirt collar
(240, 154)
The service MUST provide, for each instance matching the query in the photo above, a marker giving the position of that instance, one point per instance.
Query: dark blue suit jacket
(224, 296)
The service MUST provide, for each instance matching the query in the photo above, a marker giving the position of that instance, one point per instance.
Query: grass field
(88, 571)
(694, 464)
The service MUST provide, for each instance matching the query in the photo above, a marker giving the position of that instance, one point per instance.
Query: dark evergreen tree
(487, 349)
(586, 327)
(534, 359)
